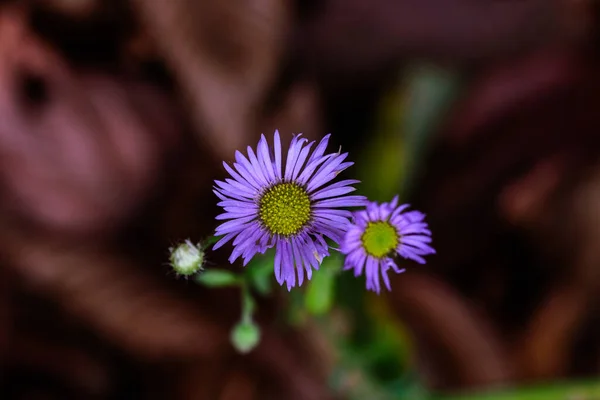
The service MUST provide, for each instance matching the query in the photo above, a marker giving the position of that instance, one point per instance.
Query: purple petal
(299, 261)
(300, 161)
(320, 149)
(346, 201)
(263, 155)
(325, 192)
(277, 263)
(292, 157)
(258, 169)
(239, 178)
(311, 166)
(224, 240)
(327, 168)
(246, 169)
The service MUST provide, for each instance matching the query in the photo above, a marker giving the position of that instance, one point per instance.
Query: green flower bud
(245, 336)
(187, 259)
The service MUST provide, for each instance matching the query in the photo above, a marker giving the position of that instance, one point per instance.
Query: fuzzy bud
(187, 259)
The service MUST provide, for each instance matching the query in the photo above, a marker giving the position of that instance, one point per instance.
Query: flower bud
(187, 258)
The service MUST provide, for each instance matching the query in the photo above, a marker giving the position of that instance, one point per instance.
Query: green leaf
(408, 117)
(260, 273)
(321, 289)
(429, 93)
(319, 295)
(211, 240)
(245, 336)
(218, 278)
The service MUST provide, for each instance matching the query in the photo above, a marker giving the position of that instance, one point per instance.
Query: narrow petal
(292, 156)
(310, 168)
(372, 274)
(231, 191)
(288, 265)
(231, 215)
(259, 172)
(233, 225)
(246, 189)
(346, 201)
(277, 263)
(323, 176)
(399, 210)
(320, 149)
(300, 161)
(224, 240)
(265, 158)
(237, 203)
(248, 175)
(327, 191)
(406, 253)
(318, 178)
(324, 194)
(311, 255)
(299, 261)
(246, 169)
(373, 211)
(250, 183)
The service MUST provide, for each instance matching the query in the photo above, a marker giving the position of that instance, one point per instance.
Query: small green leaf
(211, 240)
(218, 278)
(262, 284)
(321, 289)
(260, 273)
(261, 278)
(245, 336)
(319, 295)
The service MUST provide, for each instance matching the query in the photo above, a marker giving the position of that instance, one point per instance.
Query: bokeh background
(115, 116)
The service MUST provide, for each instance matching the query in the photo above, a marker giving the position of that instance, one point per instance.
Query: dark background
(115, 117)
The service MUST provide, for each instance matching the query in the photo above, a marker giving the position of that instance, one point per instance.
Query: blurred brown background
(115, 116)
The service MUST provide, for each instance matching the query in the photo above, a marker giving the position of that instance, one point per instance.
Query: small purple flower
(286, 204)
(378, 234)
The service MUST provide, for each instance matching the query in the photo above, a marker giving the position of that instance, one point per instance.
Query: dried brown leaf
(225, 56)
(126, 306)
(469, 351)
(79, 153)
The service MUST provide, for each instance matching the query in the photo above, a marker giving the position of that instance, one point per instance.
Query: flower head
(287, 204)
(378, 234)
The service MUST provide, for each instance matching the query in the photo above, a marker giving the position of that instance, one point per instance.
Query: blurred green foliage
(556, 391)
(320, 292)
(217, 278)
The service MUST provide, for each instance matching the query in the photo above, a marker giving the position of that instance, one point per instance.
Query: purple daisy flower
(286, 204)
(378, 234)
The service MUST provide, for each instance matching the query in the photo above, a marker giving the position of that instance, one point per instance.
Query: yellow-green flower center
(380, 238)
(284, 209)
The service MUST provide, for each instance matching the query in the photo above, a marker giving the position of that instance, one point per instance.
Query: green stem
(248, 303)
